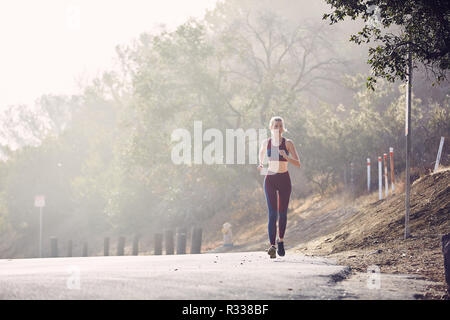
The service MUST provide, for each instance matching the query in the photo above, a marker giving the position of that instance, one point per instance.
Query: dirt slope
(375, 235)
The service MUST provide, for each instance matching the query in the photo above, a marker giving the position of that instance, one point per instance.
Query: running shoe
(272, 252)
(280, 249)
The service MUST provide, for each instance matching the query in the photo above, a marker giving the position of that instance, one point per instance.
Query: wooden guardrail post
(136, 245)
(196, 242)
(53, 247)
(69, 248)
(158, 243)
(121, 246)
(106, 246)
(181, 240)
(168, 240)
(85, 249)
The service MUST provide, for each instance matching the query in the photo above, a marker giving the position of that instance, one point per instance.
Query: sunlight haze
(46, 49)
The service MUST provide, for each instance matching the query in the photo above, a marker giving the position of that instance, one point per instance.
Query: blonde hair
(277, 118)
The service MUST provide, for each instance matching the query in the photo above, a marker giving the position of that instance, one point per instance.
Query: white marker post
(39, 201)
(380, 180)
(391, 156)
(438, 158)
(368, 175)
(386, 185)
(351, 178)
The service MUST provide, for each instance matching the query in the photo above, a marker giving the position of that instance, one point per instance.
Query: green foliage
(424, 30)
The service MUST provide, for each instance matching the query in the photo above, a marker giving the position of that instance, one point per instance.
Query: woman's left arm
(295, 160)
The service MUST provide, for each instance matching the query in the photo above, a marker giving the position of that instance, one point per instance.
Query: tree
(423, 28)
(275, 61)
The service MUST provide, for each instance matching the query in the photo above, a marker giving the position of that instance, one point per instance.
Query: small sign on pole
(39, 201)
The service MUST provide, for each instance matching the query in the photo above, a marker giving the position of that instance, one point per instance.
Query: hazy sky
(46, 45)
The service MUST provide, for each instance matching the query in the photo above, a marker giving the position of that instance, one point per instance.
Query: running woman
(280, 151)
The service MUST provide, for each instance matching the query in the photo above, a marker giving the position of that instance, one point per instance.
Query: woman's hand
(260, 167)
(284, 154)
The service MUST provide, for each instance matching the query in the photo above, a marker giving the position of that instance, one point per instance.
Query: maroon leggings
(280, 182)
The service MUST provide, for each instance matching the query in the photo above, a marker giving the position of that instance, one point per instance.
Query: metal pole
(386, 184)
(368, 175)
(380, 180)
(408, 142)
(40, 232)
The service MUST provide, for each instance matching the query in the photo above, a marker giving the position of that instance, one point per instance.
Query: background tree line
(102, 158)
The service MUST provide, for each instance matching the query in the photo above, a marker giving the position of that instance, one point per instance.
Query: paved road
(240, 275)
